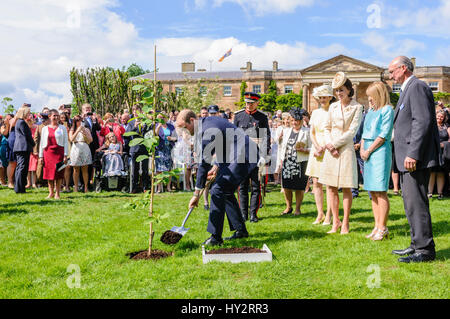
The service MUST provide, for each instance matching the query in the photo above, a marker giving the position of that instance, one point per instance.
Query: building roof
(181, 76)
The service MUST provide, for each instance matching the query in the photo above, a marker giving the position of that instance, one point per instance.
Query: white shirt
(406, 82)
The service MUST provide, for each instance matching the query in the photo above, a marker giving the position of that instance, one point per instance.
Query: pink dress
(33, 158)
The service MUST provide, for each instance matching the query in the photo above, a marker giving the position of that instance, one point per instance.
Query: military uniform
(230, 175)
(256, 126)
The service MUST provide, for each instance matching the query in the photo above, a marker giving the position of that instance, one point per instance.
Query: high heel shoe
(318, 221)
(332, 231)
(381, 234)
(374, 231)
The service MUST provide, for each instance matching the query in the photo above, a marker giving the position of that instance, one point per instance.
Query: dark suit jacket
(415, 128)
(94, 128)
(235, 166)
(24, 139)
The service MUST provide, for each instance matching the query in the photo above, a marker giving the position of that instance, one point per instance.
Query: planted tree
(8, 108)
(151, 98)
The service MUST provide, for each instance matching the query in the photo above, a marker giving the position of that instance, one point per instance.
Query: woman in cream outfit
(324, 95)
(339, 169)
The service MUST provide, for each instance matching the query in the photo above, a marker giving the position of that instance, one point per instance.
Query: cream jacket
(303, 136)
(61, 136)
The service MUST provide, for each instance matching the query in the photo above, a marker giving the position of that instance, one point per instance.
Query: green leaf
(142, 158)
(130, 134)
(136, 142)
(138, 87)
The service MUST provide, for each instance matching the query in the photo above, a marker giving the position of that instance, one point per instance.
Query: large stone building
(361, 74)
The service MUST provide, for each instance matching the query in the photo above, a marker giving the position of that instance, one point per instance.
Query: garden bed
(155, 255)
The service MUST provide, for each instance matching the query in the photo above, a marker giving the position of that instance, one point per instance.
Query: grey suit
(416, 136)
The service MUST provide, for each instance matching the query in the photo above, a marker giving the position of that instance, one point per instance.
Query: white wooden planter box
(238, 258)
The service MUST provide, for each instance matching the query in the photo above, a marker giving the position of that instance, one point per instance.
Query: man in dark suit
(23, 146)
(90, 122)
(231, 157)
(136, 151)
(416, 150)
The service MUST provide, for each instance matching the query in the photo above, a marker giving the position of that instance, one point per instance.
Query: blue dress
(377, 169)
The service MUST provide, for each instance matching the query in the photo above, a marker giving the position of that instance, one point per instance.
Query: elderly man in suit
(23, 146)
(416, 150)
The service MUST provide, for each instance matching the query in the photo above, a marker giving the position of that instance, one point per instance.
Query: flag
(226, 55)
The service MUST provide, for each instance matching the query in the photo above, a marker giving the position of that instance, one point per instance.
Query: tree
(8, 108)
(196, 94)
(243, 89)
(287, 101)
(394, 98)
(134, 70)
(268, 100)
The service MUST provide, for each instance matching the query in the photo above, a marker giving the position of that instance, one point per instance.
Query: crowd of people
(341, 145)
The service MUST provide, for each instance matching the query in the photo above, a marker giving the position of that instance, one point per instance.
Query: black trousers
(414, 189)
(135, 172)
(21, 173)
(255, 199)
(223, 201)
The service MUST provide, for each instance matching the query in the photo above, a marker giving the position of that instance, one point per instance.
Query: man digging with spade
(236, 156)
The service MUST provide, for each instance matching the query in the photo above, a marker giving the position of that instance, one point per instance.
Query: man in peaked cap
(256, 125)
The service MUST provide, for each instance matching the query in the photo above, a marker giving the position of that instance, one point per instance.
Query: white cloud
(261, 7)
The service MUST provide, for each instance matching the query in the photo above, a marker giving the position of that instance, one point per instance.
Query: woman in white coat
(339, 169)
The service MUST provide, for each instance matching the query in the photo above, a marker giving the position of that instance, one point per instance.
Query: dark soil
(170, 237)
(156, 254)
(236, 250)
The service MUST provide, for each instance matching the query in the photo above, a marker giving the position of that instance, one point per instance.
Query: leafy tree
(135, 70)
(196, 94)
(287, 101)
(268, 101)
(394, 98)
(8, 108)
(243, 89)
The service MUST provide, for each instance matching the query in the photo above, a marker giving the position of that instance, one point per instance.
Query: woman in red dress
(54, 149)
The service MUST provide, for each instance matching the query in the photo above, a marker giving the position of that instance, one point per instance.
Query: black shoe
(212, 241)
(253, 219)
(417, 258)
(408, 251)
(404, 252)
(238, 234)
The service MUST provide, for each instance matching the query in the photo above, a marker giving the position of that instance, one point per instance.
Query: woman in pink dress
(54, 149)
(34, 156)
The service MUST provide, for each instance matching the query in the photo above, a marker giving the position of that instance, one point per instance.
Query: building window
(288, 89)
(178, 90)
(227, 90)
(203, 91)
(396, 88)
(434, 86)
(257, 89)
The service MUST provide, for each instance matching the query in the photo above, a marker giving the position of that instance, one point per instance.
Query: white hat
(324, 90)
(339, 80)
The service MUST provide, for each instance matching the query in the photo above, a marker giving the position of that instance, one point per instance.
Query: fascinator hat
(324, 90)
(339, 80)
(297, 113)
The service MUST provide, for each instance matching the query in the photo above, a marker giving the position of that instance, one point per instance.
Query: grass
(40, 239)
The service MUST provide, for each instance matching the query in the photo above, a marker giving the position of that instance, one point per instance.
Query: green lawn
(40, 239)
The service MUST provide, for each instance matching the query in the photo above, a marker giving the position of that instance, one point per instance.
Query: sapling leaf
(127, 134)
(136, 142)
(142, 158)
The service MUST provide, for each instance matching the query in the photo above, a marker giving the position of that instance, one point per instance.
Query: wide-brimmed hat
(324, 90)
(339, 80)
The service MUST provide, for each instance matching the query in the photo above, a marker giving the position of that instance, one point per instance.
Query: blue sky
(44, 39)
